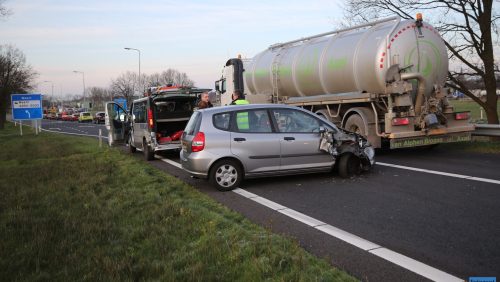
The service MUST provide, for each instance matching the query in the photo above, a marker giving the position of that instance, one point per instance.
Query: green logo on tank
(425, 67)
(336, 64)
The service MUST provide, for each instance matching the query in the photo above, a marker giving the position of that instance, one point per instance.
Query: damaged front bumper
(337, 143)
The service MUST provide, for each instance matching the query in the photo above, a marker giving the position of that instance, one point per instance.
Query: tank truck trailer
(384, 80)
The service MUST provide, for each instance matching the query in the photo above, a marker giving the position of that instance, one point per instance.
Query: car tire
(349, 165)
(148, 153)
(131, 147)
(226, 175)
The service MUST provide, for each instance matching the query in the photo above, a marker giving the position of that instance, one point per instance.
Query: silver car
(228, 144)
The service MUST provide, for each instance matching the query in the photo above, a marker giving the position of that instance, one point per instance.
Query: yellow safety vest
(242, 120)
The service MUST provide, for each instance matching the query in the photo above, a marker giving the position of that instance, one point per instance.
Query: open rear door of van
(117, 123)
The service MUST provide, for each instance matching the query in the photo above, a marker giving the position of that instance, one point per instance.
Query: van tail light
(198, 143)
(150, 118)
(400, 121)
(462, 116)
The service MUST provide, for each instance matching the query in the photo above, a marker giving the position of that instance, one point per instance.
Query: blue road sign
(26, 106)
(122, 102)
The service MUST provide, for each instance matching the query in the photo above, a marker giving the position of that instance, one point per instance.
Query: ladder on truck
(276, 78)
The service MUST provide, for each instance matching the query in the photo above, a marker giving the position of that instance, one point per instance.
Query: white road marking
(69, 133)
(301, 217)
(55, 128)
(384, 253)
(176, 164)
(413, 265)
(441, 173)
(348, 237)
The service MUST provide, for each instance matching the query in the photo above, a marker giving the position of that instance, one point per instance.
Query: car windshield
(85, 114)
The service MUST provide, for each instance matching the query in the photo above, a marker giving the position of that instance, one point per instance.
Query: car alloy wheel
(226, 175)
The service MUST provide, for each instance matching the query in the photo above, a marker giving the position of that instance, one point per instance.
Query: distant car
(99, 117)
(59, 116)
(228, 144)
(85, 117)
(75, 117)
(67, 117)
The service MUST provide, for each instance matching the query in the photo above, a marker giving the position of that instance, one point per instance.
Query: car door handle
(238, 139)
(289, 138)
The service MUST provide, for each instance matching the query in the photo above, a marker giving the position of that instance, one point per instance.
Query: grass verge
(72, 211)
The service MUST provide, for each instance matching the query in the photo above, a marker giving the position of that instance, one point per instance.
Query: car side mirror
(322, 129)
(217, 88)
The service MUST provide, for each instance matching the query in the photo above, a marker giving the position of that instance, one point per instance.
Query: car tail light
(462, 115)
(150, 118)
(400, 121)
(198, 143)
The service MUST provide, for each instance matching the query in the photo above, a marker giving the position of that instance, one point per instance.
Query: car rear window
(85, 114)
(193, 123)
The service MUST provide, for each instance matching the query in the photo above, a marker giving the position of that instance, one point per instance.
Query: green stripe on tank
(336, 64)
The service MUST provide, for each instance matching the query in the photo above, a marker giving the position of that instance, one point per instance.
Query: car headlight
(370, 154)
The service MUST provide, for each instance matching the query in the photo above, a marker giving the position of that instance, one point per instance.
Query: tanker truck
(384, 80)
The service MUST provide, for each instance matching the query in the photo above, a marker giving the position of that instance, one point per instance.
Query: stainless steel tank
(349, 60)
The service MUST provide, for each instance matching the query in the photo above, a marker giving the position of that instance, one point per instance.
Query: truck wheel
(355, 124)
(148, 153)
(349, 165)
(225, 175)
(131, 147)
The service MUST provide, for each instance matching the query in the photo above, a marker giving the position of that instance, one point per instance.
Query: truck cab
(155, 122)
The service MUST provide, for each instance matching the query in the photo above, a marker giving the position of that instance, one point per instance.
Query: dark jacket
(204, 105)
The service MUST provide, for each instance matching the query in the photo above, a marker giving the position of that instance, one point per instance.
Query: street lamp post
(48, 81)
(83, 75)
(139, 51)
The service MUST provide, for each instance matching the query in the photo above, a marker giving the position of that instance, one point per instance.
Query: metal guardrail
(492, 130)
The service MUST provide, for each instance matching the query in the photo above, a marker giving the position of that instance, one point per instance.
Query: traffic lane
(353, 260)
(438, 205)
(74, 127)
(448, 223)
(445, 159)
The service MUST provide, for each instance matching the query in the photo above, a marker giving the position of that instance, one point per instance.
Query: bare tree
(99, 96)
(16, 76)
(170, 76)
(125, 86)
(4, 12)
(468, 27)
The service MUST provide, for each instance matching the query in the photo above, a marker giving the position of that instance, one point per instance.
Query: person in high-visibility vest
(241, 117)
(238, 98)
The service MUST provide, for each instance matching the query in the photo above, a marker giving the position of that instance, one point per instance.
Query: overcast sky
(196, 37)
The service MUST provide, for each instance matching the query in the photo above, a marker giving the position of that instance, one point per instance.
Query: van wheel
(349, 165)
(131, 147)
(226, 175)
(148, 153)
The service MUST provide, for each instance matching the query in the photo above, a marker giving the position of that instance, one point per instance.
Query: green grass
(70, 210)
(473, 107)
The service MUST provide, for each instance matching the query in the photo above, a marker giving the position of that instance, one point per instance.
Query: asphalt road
(73, 127)
(450, 222)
